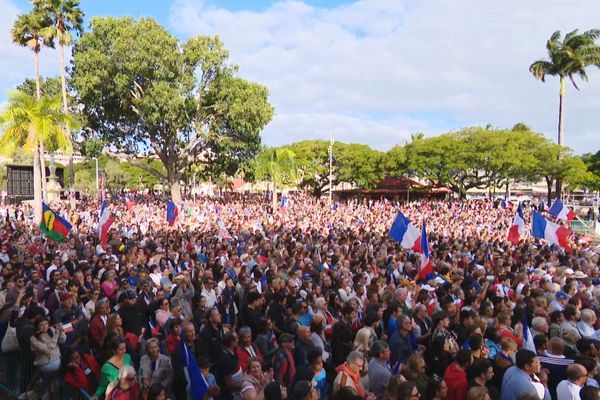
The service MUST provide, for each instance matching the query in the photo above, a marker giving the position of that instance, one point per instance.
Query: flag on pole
(405, 232)
(105, 220)
(552, 232)
(518, 227)
(426, 265)
(53, 225)
(560, 211)
(172, 212)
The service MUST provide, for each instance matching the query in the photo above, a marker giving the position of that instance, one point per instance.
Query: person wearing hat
(133, 314)
(284, 365)
(561, 299)
(72, 319)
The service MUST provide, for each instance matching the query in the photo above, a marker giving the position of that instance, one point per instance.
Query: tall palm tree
(279, 166)
(32, 30)
(568, 58)
(66, 17)
(27, 122)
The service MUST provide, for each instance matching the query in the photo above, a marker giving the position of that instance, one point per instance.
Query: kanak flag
(552, 232)
(105, 220)
(517, 230)
(560, 211)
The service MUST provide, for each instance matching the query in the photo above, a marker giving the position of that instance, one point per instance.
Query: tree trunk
(38, 87)
(549, 187)
(37, 188)
(43, 172)
(561, 128)
(175, 191)
(63, 82)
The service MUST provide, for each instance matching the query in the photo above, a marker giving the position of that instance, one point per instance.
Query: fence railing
(17, 375)
(583, 227)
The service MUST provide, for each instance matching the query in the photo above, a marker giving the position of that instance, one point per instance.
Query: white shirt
(210, 296)
(567, 390)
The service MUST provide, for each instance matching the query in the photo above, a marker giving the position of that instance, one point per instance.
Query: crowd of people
(238, 301)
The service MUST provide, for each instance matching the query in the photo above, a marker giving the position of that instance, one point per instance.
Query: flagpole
(331, 168)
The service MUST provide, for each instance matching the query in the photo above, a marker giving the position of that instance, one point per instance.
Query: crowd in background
(311, 301)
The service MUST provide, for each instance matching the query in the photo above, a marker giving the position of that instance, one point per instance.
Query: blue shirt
(516, 383)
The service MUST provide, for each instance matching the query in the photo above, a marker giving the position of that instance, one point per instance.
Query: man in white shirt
(568, 389)
(208, 291)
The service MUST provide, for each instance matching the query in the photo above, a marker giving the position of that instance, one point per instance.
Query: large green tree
(26, 122)
(277, 165)
(146, 93)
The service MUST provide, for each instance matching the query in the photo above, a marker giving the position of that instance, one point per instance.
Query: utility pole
(331, 168)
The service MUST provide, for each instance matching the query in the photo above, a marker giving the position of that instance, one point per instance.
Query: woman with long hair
(44, 345)
(436, 389)
(407, 390)
(416, 372)
(438, 356)
(80, 371)
(110, 370)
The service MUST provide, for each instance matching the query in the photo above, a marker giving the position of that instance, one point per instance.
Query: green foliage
(180, 101)
(359, 165)
(32, 30)
(49, 86)
(92, 147)
(119, 175)
(569, 57)
(65, 16)
(592, 162)
(277, 165)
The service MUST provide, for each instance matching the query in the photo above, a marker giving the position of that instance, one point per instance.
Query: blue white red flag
(172, 212)
(560, 211)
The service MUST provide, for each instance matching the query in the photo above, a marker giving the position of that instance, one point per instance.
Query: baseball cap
(561, 294)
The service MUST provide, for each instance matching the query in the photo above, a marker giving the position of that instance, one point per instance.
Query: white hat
(569, 271)
(428, 288)
(580, 275)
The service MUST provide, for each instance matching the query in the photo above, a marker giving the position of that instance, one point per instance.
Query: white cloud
(16, 63)
(427, 65)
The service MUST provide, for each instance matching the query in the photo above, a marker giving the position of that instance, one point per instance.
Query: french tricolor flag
(406, 233)
(554, 233)
(426, 265)
(560, 211)
(104, 222)
(172, 212)
(518, 227)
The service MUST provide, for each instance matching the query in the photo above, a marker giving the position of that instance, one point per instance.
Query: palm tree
(568, 58)
(279, 166)
(32, 30)
(27, 122)
(66, 17)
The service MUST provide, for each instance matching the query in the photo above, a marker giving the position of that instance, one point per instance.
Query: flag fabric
(105, 220)
(552, 232)
(172, 212)
(560, 211)
(53, 225)
(518, 227)
(527, 336)
(426, 265)
(406, 233)
(284, 201)
(504, 205)
(130, 204)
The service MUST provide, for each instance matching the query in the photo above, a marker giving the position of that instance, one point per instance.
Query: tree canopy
(145, 92)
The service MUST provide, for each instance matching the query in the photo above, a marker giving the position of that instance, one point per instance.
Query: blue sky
(374, 71)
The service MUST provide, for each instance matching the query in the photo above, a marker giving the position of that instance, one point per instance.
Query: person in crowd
(126, 387)
(456, 375)
(569, 388)
(379, 370)
(154, 367)
(522, 378)
(45, 347)
(110, 370)
(80, 371)
(254, 380)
